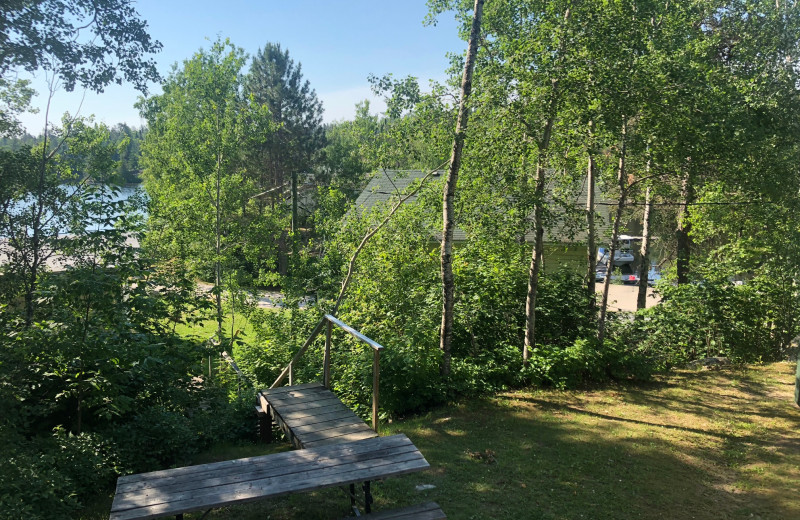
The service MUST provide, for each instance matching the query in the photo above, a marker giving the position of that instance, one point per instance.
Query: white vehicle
(621, 257)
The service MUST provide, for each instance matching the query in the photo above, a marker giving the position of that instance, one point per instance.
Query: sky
(338, 43)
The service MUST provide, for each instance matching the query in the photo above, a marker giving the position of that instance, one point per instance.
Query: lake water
(120, 194)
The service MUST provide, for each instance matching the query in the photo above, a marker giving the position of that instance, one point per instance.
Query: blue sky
(338, 43)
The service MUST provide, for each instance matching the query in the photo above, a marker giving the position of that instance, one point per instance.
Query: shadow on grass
(714, 445)
(548, 405)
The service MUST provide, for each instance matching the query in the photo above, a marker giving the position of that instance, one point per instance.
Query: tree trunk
(36, 235)
(295, 236)
(535, 266)
(591, 245)
(217, 250)
(644, 268)
(621, 181)
(448, 222)
(283, 254)
(295, 224)
(684, 241)
(538, 244)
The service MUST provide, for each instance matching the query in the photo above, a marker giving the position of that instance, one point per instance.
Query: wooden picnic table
(206, 486)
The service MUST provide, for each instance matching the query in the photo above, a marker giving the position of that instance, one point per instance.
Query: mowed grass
(704, 445)
(207, 328)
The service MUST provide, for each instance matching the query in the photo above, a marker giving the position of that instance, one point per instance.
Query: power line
(631, 203)
(739, 203)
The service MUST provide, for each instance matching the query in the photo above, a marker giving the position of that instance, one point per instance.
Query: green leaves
(86, 43)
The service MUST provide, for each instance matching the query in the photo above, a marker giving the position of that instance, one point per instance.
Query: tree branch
(370, 234)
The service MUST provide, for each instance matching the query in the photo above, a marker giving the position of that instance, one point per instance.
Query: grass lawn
(208, 328)
(705, 445)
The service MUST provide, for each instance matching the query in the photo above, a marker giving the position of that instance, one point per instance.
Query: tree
(201, 208)
(44, 201)
(348, 154)
(274, 81)
(524, 80)
(131, 141)
(448, 194)
(90, 43)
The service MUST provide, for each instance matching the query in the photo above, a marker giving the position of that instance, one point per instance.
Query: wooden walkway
(337, 449)
(312, 416)
(195, 488)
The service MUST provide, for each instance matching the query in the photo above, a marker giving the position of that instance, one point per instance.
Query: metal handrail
(326, 375)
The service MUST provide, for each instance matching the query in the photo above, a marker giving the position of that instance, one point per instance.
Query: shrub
(584, 363)
(31, 485)
(749, 322)
(156, 437)
(49, 477)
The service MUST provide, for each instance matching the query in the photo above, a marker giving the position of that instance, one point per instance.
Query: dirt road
(623, 297)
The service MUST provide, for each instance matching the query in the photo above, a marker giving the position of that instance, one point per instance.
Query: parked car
(624, 274)
(627, 279)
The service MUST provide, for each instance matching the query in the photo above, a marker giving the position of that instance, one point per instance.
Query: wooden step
(312, 416)
(426, 511)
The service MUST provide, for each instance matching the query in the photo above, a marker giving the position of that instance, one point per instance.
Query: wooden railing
(240, 376)
(326, 362)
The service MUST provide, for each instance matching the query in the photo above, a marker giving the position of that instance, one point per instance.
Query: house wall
(570, 256)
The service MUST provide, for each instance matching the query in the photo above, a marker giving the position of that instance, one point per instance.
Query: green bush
(50, 477)
(750, 322)
(31, 484)
(155, 438)
(584, 362)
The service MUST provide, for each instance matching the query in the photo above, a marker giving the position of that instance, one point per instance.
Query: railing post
(326, 370)
(291, 369)
(376, 370)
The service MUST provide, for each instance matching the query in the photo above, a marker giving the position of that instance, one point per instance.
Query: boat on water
(621, 257)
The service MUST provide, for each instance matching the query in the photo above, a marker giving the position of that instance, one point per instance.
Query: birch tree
(194, 165)
(448, 197)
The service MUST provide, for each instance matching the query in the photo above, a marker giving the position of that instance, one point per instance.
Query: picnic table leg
(352, 495)
(367, 497)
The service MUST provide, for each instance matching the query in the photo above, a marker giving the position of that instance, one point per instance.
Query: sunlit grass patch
(722, 444)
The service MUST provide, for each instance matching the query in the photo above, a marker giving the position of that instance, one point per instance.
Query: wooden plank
(332, 441)
(281, 389)
(326, 401)
(308, 424)
(295, 391)
(328, 408)
(384, 463)
(301, 417)
(331, 429)
(305, 397)
(141, 490)
(271, 487)
(153, 478)
(309, 435)
(286, 457)
(426, 511)
(286, 400)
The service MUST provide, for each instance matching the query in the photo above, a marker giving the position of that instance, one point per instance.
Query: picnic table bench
(194, 488)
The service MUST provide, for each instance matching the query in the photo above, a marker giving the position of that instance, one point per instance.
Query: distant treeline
(128, 168)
